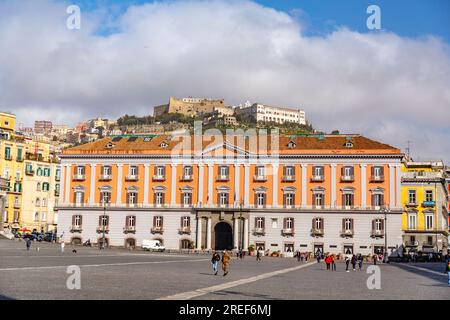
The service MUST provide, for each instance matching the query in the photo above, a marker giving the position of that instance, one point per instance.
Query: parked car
(152, 245)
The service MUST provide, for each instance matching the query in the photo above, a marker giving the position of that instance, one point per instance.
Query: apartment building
(263, 113)
(425, 205)
(43, 126)
(324, 193)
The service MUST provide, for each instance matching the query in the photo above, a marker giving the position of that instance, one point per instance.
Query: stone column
(146, 182)
(199, 233)
(67, 187)
(210, 183)
(119, 184)
(245, 234)
(208, 233)
(61, 185)
(363, 185)
(275, 185)
(237, 183)
(236, 233)
(201, 173)
(304, 171)
(333, 185)
(92, 184)
(398, 186)
(392, 179)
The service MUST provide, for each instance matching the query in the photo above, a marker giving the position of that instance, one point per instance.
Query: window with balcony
(348, 198)
(187, 173)
(289, 173)
(260, 173)
(157, 224)
(318, 197)
(185, 225)
(347, 173)
(318, 173)
(106, 173)
(347, 227)
(377, 198)
(105, 197)
(377, 174)
(77, 221)
(288, 226)
(160, 173)
(130, 224)
(378, 228)
(317, 227)
(132, 173)
(429, 198)
(223, 173)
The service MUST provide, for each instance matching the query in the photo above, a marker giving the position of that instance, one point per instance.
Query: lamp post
(385, 258)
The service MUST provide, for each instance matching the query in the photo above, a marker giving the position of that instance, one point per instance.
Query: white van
(152, 245)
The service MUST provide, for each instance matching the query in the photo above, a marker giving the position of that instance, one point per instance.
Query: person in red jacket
(328, 261)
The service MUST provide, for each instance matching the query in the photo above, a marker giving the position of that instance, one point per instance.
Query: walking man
(215, 262)
(375, 258)
(333, 262)
(258, 255)
(28, 243)
(348, 257)
(225, 262)
(353, 262)
(360, 261)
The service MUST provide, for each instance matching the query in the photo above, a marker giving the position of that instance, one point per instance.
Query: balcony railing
(347, 233)
(8, 157)
(259, 178)
(428, 204)
(158, 177)
(76, 228)
(29, 172)
(287, 178)
(19, 159)
(222, 177)
(184, 230)
(259, 231)
(56, 193)
(129, 229)
(79, 177)
(317, 232)
(157, 230)
(411, 204)
(16, 205)
(186, 177)
(131, 177)
(428, 244)
(287, 232)
(411, 243)
(57, 178)
(317, 178)
(105, 177)
(100, 229)
(377, 233)
(347, 178)
(377, 178)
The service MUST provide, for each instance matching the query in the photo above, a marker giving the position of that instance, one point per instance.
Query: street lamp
(385, 258)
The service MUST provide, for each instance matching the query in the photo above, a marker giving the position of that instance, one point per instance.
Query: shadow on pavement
(2, 297)
(254, 296)
(410, 268)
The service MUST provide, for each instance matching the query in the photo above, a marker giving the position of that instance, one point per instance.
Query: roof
(161, 144)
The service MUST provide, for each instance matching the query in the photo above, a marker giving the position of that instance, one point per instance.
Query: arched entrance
(223, 236)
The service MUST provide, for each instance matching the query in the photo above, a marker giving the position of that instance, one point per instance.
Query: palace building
(332, 193)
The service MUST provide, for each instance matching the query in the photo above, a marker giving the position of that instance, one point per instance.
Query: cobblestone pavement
(124, 274)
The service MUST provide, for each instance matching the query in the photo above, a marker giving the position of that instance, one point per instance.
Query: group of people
(226, 258)
(330, 261)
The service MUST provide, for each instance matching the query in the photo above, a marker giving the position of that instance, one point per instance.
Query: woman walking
(333, 262)
(328, 262)
(225, 262)
(215, 262)
(353, 262)
(360, 261)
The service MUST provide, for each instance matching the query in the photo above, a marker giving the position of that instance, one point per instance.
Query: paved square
(123, 274)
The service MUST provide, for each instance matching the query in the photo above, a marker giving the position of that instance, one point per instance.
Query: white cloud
(379, 84)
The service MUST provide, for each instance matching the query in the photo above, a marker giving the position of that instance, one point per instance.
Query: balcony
(288, 178)
(159, 230)
(376, 178)
(427, 244)
(428, 204)
(347, 233)
(100, 229)
(105, 177)
(317, 178)
(129, 229)
(19, 159)
(317, 232)
(259, 232)
(411, 243)
(159, 177)
(56, 193)
(186, 177)
(350, 178)
(411, 204)
(79, 177)
(131, 177)
(287, 232)
(8, 157)
(184, 230)
(16, 205)
(258, 178)
(377, 233)
(76, 228)
(29, 172)
(222, 177)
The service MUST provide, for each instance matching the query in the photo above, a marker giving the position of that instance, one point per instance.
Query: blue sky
(408, 18)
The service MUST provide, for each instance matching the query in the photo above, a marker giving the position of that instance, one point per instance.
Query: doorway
(223, 236)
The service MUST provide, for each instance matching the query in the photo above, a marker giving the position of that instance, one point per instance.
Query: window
(185, 222)
(19, 154)
(187, 171)
(43, 216)
(132, 197)
(289, 223)
(430, 240)
(289, 199)
(44, 202)
(79, 170)
(318, 223)
(259, 223)
(348, 199)
(412, 197)
(105, 197)
(347, 171)
(260, 171)
(412, 221)
(377, 199)
(185, 244)
(347, 224)
(429, 195)
(274, 223)
(260, 199)
(318, 199)
(45, 186)
(7, 152)
(103, 221)
(38, 202)
(377, 172)
(79, 197)
(160, 171)
(77, 220)
(186, 198)
(159, 198)
(223, 198)
(318, 171)
(289, 171)
(130, 221)
(223, 171)
(158, 222)
(429, 221)
(133, 171)
(378, 225)
(36, 217)
(106, 171)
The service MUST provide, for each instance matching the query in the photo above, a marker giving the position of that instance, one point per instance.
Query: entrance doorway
(223, 236)
(348, 249)
(318, 248)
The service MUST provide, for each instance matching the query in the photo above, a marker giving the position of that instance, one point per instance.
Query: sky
(391, 84)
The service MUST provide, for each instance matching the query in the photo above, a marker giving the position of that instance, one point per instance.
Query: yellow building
(7, 121)
(425, 213)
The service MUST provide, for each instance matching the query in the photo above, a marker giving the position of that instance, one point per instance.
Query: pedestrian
(258, 255)
(328, 262)
(348, 257)
(318, 255)
(333, 262)
(225, 262)
(62, 246)
(360, 261)
(353, 260)
(215, 262)
(298, 255)
(448, 271)
(28, 243)
(375, 258)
